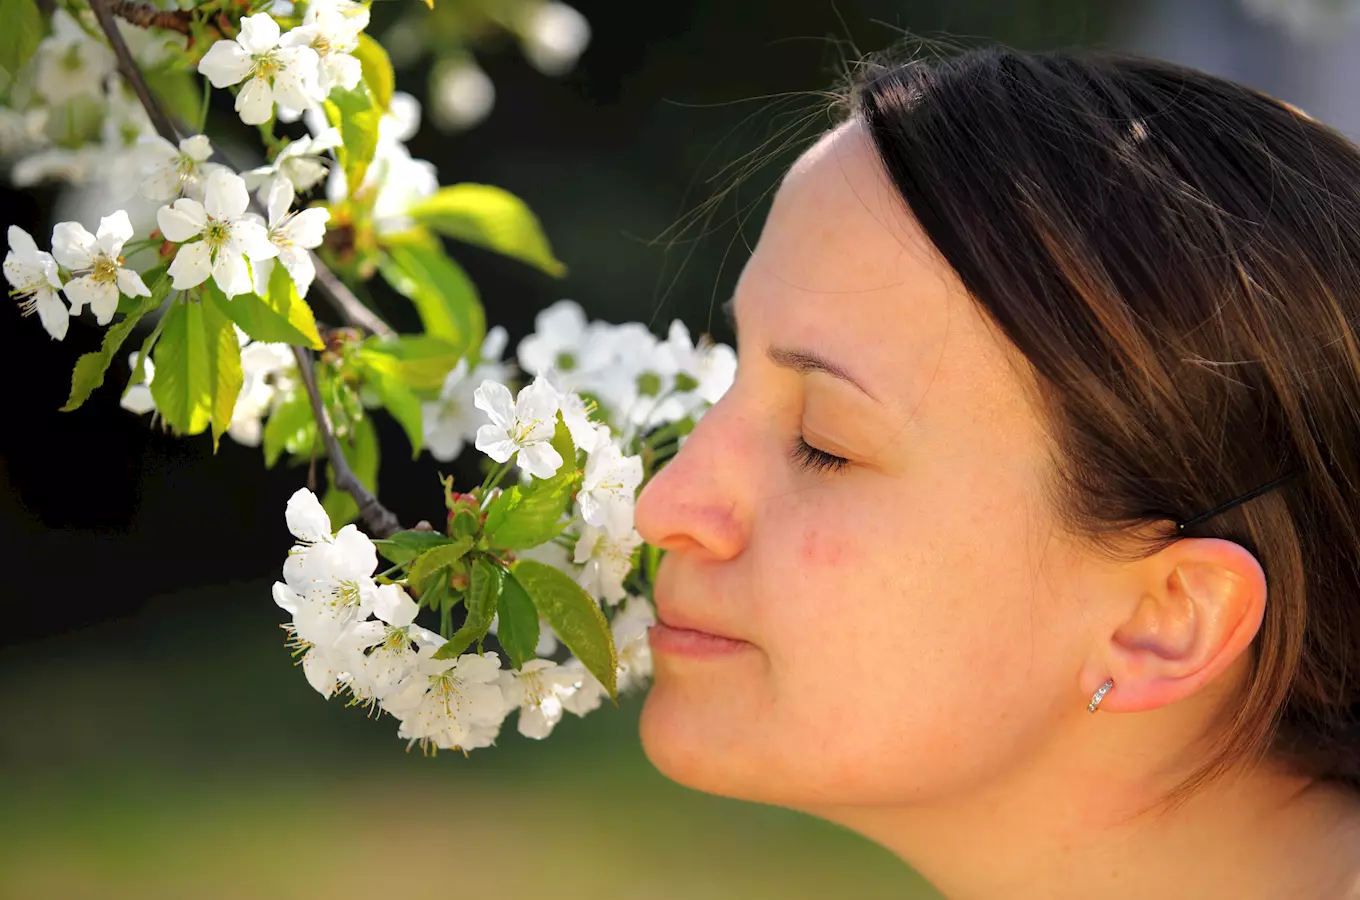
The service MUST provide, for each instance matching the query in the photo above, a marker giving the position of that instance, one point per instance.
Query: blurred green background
(156, 740)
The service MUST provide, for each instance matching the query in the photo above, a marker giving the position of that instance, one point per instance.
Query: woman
(1048, 401)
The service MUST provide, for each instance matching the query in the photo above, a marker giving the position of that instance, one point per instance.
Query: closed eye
(812, 459)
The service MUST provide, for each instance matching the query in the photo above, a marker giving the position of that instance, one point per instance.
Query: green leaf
(432, 561)
(290, 427)
(356, 115)
(224, 352)
(280, 317)
(527, 515)
(361, 451)
(183, 386)
(518, 628)
(483, 594)
(21, 34)
(405, 546)
(450, 310)
(489, 217)
(422, 361)
(574, 615)
(91, 367)
(378, 74)
(397, 399)
(178, 90)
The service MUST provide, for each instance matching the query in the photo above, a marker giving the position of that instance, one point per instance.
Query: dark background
(155, 739)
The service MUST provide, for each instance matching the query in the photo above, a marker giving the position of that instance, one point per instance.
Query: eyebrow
(800, 360)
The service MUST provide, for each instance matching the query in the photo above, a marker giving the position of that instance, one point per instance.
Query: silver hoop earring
(1100, 695)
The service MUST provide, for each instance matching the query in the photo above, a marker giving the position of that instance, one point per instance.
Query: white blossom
(609, 490)
(630, 627)
(712, 366)
(32, 276)
(461, 94)
(450, 703)
(606, 562)
(554, 37)
(137, 398)
(320, 662)
(69, 62)
(585, 694)
(452, 421)
(227, 237)
(96, 261)
(537, 690)
(331, 29)
(294, 235)
(175, 171)
(273, 72)
(380, 653)
(262, 365)
(520, 426)
(300, 164)
(332, 574)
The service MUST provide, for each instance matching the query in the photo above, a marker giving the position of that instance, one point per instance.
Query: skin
(921, 639)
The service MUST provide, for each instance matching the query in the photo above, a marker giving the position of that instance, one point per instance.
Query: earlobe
(1195, 614)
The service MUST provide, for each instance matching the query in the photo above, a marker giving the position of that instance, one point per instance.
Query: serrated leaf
(183, 386)
(421, 361)
(224, 352)
(21, 34)
(361, 452)
(518, 628)
(574, 616)
(488, 217)
(431, 561)
(378, 74)
(483, 594)
(356, 115)
(418, 268)
(397, 399)
(290, 427)
(526, 515)
(405, 546)
(91, 368)
(279, 317)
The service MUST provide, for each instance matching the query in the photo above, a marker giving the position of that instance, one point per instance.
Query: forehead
(843, 268)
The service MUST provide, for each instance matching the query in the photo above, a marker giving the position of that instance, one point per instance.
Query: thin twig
(380, 520)
(131, 72)
(147, 15)
(348, 305)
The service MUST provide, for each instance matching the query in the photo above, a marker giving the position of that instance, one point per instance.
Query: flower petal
(225, 63)
(259, 33)
(300, 267)
(250, 238)
(192, 266)
(306, 518)
(85, 289)
(53, 314)
(231, 273)
(197, 146)
(21, 242)
(114, 232)
(73, 246)
(182, 220)
(225, 195)
(394, 606)
(540, 460)
(493, 398)
(255, 103)
(308, 228)
(493, 442)
(131, 284)
(296, 84)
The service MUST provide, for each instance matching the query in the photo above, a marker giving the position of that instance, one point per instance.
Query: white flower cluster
(295, 71)
(269, 376)
(359, 637)
(639, 382)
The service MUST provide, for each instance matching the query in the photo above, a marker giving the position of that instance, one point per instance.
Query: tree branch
(147, 15)
(379, 519)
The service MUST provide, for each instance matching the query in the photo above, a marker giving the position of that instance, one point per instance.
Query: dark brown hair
(1177, 257)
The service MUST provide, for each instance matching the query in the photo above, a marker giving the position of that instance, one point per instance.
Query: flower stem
(203, 109)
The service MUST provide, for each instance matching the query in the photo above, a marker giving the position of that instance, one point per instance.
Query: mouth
(675, 640)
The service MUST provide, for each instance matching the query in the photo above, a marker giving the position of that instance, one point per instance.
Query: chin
(707, 739)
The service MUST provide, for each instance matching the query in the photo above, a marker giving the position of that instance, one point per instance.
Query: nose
(698, 501)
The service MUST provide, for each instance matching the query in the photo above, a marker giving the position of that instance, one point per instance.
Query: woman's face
(905, 623)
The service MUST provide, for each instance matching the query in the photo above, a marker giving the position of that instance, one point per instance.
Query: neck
(1266, 834)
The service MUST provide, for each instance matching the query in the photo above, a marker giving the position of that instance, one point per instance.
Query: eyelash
(815, 460)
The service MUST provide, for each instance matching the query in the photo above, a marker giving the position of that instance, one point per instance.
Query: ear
(1191, 612)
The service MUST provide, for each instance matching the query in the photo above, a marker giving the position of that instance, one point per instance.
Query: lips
(680, 631)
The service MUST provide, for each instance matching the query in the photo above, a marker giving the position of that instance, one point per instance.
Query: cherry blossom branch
(146, 15)
(351, 309)
(381, 521)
